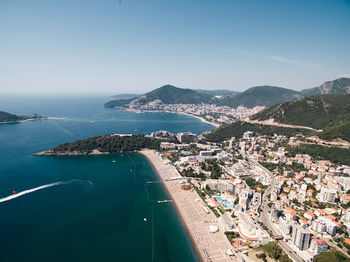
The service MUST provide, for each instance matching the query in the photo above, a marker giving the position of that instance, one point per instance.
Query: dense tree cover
(331, 113)
(331, 255)
(110, 144)
(213, 167)
(280, 167)
(231, 235)
(260, 95)
(7, 117)
(335, 154)
(275, 251)
(190, 173)
(253, 184)
(341, 130)
(237, 128)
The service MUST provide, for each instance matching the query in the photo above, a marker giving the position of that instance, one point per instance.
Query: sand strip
(209, 246)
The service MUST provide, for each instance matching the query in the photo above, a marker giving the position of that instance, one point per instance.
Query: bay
(96, 211)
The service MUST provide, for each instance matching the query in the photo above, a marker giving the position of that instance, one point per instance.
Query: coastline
(196, 248)
(198, 117)
(189, 207)
(33, 119)
(180, 113)
(23, 120)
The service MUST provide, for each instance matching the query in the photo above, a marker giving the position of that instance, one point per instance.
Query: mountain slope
(260, 95)
(168, 94)
(237, 128)
(331, 113)
(173, 95)
(217, 92)
(338, 86)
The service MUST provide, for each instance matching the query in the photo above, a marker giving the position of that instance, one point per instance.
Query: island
(12, 118)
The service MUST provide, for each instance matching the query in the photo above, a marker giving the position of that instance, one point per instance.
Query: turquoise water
(227, 203)
(97, 211)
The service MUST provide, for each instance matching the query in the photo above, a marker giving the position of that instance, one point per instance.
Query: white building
(301, 237)
(327, 195)
(284, 225)
(248, 135)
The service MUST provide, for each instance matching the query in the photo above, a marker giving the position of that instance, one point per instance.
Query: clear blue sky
(112, 47)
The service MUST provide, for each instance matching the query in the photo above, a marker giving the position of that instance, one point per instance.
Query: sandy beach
(198, 117)
(183, 113)
(210, 246)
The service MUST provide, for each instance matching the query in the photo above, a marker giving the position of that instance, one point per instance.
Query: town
(207, 112)
(264, 194)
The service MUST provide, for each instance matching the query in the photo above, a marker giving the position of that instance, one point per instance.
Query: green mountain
(217, 92)
(168, 94)
(331, 113)
(260, 95)
(173, 95)
(338, 86)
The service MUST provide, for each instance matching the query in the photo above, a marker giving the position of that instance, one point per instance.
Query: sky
(134, 46)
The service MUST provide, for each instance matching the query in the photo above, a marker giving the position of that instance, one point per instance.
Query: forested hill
(331, 113)
(173, 95)
(8, 118)
(104, 144)
(254, 96)
(260, 95)
(168, 94)
(338, 86)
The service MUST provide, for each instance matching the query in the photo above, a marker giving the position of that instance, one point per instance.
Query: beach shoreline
(189, 207)
(180, 113)
(176, 207)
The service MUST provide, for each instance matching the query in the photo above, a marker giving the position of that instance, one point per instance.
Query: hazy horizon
(114, 47)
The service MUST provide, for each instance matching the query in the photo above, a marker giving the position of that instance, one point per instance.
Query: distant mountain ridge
(217, 92)
(254, 96)
(330, 113)
(260, 95)
(338, 86)
(168, 94)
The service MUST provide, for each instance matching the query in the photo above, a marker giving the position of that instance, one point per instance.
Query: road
(266, 218)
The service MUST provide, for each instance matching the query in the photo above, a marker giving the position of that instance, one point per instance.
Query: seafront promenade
(210, 246)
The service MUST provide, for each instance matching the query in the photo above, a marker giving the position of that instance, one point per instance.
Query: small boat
(14, 192)
(145, 219)
(113, 161)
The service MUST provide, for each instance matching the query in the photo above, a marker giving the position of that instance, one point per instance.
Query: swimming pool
(227, 204)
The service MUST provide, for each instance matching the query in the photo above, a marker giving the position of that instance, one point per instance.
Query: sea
(85, 208)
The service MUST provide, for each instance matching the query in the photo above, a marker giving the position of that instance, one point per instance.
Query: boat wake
(25, 192)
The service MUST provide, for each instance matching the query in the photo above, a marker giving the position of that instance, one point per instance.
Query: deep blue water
(97, 214)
